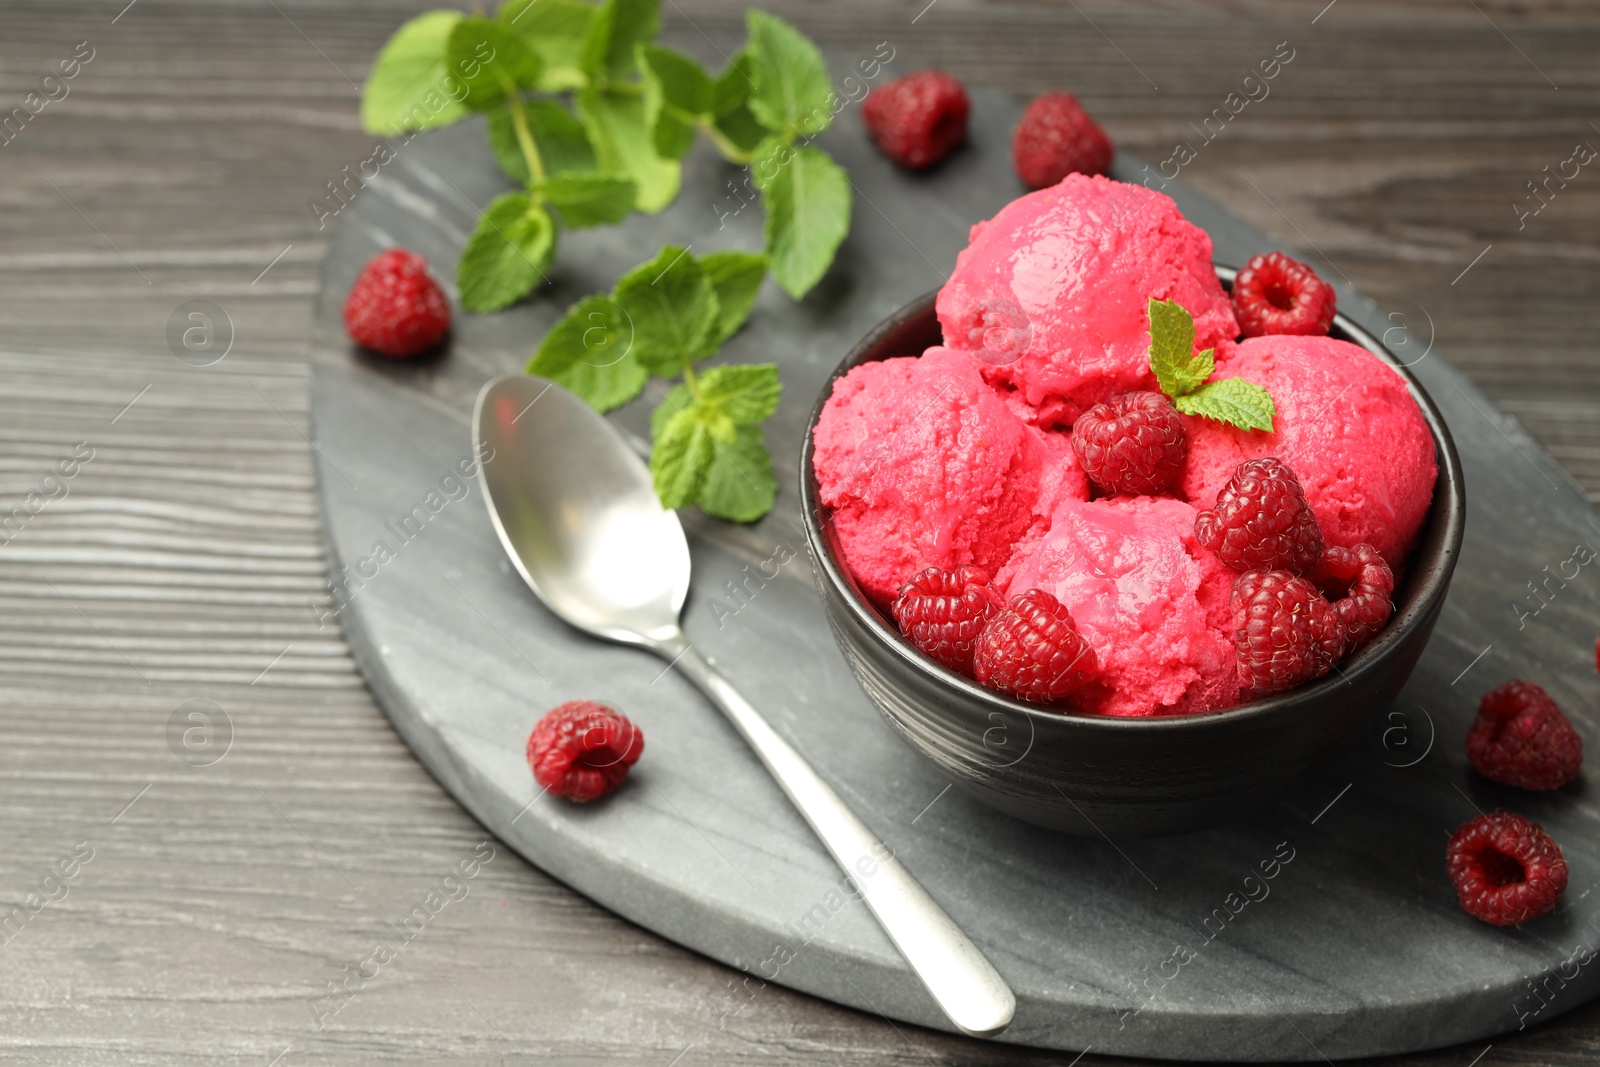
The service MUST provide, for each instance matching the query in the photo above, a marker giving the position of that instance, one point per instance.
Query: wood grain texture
(175, 565)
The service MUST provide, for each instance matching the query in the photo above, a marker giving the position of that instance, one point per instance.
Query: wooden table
(238, 874)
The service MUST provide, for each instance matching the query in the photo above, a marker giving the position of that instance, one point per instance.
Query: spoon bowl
(578, 514)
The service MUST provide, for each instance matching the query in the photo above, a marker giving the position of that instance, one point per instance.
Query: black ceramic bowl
(1094, 774)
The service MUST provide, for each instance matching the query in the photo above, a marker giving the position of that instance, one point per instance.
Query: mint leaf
(563, 141)
(739, 483)
(623, 146)
(590, 351)
(503, 140)
(731, 89)
(792, 93)
(678, 401)
(736, 277)
(1177, 368)
(1231, 400)
(554, 29)
(730, 95)
(739, 394)
(607, 51)
(673, 309)
(506, 255)
(681, 451)
(409, 86)
(676, 94)
(709, 450)
(491, 60)
(1181, 372)
(589, 199)
(807, 199)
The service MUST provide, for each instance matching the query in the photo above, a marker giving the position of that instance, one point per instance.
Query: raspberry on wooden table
(1521, 737)
(1262, 521)
(1506, 869)
(942, 613)
(582, 750)
(1132, 443)
(395, 307)
(1366, 607)
(919, 119)
(1284, 630)
(1032, 650)
(1275, 294)
(1055, 138)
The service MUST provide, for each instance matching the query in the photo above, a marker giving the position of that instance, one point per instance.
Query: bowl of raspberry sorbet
(1095, 611)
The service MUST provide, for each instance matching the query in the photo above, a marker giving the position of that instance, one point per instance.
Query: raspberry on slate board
(582, 750)
(1521, 737)
(1505, 868)
(919, 119)
(1056, 137)
(395, 307)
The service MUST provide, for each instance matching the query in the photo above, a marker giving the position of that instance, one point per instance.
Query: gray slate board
(1357, 947)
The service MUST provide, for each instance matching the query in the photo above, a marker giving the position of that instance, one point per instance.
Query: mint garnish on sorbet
(1182, 374)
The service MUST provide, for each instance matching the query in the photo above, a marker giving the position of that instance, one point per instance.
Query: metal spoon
(574, 506)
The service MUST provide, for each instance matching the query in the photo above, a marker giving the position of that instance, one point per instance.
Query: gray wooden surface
(174, 565)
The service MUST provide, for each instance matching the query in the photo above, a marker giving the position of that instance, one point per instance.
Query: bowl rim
(1449, 494)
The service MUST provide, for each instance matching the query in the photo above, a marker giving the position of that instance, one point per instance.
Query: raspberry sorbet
(1149, 600)
(1346, 425)
(1052, 294)
(924, 465)
(963, 455)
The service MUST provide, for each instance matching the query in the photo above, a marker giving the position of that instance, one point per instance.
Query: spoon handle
(965, 984)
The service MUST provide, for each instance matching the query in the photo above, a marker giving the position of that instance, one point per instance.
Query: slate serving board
(1176, 947)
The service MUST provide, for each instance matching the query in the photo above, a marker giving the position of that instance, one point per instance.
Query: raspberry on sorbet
(1032, 650)
(942, 613)
(1275, 294)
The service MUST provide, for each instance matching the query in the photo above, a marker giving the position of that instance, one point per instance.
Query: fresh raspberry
(942, 613)
(919, 119)
(1505, 869)
(1031, 649)
(1132, 444)
(395, 307)
(1055, 138)
(1521, 737)
(1284, 630)
(582, 750)
(1366, 607)
(1276, 294)
(1262, 521)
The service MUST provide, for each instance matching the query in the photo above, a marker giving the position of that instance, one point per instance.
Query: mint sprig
(590, 117)
(664, 317)
(1182, 372)
(569, 87)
